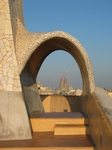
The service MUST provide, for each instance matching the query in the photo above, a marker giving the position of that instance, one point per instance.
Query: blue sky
(90, 21)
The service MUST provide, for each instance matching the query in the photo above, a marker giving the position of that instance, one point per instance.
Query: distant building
(63, 84)
(64, 87)
(71, 92)
(78, 92)
(44, 90)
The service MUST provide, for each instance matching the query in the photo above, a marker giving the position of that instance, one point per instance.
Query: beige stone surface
(8, 28)
(51, 148)
(58, 103)
(46, 104)
(71, 129)
(2, 3)
(44, 124)
(2, 22)
(1, 44)
(14, 123)
(100, 126)
(4, 8)
(7, 51)
(36, 43)
(0, 56)
(6, 42)
(1, 33)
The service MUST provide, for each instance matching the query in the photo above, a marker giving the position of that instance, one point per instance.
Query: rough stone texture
(9, 77)
(16, 11)
(14, 122)
(32, 42)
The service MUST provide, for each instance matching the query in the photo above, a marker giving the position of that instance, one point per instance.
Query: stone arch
(49, 42)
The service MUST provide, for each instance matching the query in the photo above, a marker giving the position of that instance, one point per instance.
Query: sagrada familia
(63, 84)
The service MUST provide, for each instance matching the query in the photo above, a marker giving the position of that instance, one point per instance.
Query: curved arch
(49, 42)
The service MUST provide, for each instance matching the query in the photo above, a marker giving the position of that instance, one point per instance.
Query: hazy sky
(90, 21)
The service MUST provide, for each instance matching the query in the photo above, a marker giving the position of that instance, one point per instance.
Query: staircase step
(46, 121)
(61, 131)
(55, 131)
(49, 141)
(70, 129)
(50, 148)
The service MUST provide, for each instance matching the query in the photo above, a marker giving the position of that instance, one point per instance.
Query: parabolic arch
(46, 43)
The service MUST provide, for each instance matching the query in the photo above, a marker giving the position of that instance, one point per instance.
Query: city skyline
(89, 21)
(68, 68)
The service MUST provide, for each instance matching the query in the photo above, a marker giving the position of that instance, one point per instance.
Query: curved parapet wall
(36, 47)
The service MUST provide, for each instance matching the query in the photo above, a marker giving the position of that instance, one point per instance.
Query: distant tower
(63, 83)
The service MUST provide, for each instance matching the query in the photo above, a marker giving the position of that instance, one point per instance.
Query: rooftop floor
(48, 139)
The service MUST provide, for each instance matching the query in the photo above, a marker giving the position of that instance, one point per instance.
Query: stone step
(46, 121)
(49, 141)
(61, 131)
(50, 148)
(70, 129)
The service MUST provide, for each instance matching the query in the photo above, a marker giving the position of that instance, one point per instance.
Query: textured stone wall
(56, 103)
(16, 11)
(9, 78)
(100, 127)
(14, 122)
